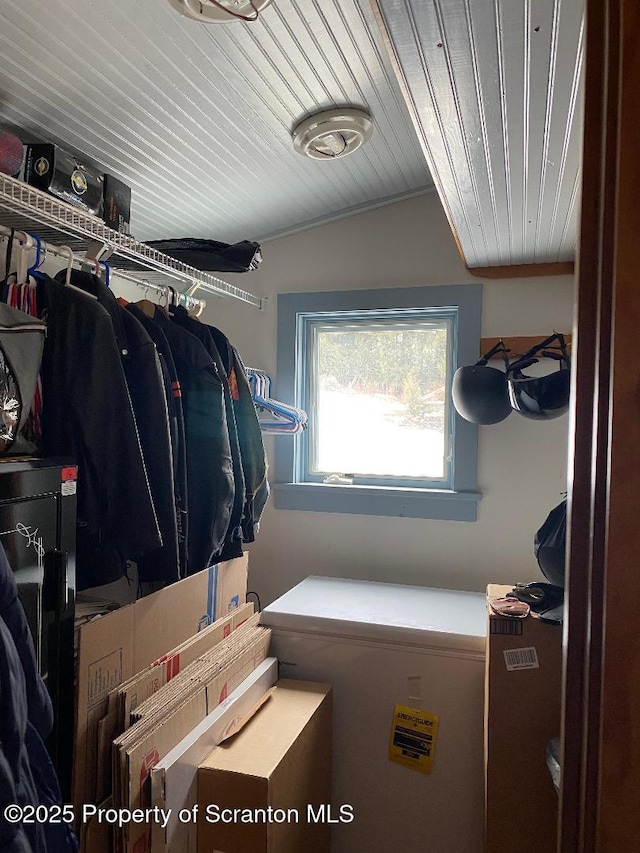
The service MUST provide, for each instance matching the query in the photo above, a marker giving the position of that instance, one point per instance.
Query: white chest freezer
(380, 645)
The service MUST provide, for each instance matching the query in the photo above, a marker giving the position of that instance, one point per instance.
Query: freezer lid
(431, 618)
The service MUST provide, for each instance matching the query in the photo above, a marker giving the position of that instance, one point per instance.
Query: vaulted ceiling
(494, 88)
(197, 118)
(483, 94)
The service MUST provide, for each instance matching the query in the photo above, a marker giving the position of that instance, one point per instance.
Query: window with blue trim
(373, 369)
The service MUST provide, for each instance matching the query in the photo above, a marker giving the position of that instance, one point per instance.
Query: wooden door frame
(600, 791)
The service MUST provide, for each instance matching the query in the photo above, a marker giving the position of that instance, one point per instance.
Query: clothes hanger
(41, 254)
(8, 255)
(285, 418)
(107, 272)
(68, 251)
(97, 269)
(174, 301)
(25, 245)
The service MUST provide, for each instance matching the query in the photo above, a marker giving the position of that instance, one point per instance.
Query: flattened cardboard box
(280, 759)
(522, 712)
(115, 647)
(128, 695)
(163, 732)
(174, 780)
(150, 680)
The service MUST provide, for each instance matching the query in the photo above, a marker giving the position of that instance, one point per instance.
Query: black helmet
(541, 397)
(550, 542)
(480, 392)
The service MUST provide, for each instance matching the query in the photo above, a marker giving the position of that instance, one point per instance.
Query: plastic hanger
(171, 302)
(284, 418)
(41, 254)
(68, 251)
(25, 245)
(97, 271)
(107, 272)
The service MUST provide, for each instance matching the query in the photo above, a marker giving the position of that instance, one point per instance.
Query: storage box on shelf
(28, 209)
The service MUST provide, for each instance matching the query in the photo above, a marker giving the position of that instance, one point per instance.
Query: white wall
(522, 463)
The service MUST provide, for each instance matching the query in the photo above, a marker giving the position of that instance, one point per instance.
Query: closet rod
(189, 302)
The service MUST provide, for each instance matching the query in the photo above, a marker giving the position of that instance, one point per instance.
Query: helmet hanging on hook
(480, 392)
(541, 398)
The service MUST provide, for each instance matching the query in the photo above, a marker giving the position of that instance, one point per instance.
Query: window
(373, 369)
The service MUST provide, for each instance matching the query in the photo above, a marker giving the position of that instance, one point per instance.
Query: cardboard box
(116, 209)
(55, 171)
(173, 713)
(174, 778)
(278, 766)
(115, 647)
(148, 681)
(523, 689)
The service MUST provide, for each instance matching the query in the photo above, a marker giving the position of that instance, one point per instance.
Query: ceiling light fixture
(332, 134)
(220, 11)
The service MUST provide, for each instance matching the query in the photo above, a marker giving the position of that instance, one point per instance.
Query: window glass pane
(379, 399)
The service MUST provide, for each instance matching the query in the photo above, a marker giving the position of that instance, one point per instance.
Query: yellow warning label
(413, 738)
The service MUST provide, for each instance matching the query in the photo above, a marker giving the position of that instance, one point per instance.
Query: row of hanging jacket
(156, 409)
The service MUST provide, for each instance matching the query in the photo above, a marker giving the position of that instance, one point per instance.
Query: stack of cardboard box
(159, 665)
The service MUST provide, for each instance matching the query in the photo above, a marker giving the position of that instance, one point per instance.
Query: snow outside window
(373, 369)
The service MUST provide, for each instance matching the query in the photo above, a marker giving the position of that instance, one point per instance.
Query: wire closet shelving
(27, 209)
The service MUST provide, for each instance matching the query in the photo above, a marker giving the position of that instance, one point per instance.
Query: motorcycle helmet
(550, 542)
(480, 392)
(541, 397)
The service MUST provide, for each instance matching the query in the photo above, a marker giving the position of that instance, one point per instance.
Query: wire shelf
(27, 209)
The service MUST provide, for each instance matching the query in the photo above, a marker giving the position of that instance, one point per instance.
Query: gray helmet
(480, 392)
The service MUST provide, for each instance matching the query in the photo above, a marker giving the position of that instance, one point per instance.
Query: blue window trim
(456, 503)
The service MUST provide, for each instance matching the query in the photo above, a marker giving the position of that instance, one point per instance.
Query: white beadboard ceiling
(197, 118)
(495, 91)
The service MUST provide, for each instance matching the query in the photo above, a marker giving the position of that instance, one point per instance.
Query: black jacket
(87, 415)
(232, 546)
(148, 397)
(210, 481)
(176, 429)
(252, 452)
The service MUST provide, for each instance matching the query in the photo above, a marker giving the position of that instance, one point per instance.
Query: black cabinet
(37, 531)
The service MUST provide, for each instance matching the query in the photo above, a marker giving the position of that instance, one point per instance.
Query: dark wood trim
(581, 474)
(523, 270)
(618, 780)
(601, 728)
(519, 344)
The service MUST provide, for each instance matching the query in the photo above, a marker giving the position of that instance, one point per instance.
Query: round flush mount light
(220, 11)
(332, 134)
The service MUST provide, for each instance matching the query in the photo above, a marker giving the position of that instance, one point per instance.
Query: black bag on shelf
(210, 255)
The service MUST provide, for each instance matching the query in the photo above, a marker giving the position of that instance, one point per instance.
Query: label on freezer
(521, 659)
(413, 738)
